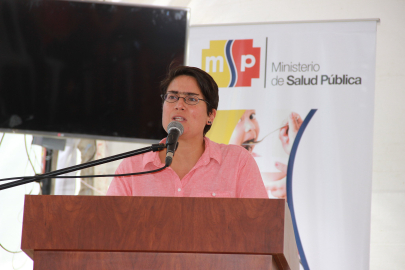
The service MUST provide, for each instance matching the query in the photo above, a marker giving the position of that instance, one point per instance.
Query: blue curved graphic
(289, 186)
(228, 52)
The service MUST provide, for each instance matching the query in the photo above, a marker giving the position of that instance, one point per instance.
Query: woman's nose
(180, 104)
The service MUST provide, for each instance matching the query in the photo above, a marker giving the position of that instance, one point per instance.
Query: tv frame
(100, 137)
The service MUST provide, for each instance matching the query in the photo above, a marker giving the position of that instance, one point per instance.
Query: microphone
(174, 130)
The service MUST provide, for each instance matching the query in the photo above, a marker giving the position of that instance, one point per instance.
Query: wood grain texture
(154, 224)
(290, 245)
(50, 260)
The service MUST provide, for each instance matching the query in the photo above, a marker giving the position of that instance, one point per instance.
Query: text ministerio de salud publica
(333, 79)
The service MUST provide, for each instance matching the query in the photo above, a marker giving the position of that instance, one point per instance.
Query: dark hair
(206, 83)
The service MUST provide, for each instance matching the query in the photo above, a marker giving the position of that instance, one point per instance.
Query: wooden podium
(108, 232)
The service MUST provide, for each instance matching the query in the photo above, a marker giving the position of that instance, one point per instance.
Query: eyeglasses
(190, 99)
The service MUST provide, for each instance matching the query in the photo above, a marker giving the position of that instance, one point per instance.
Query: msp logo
(232, 63)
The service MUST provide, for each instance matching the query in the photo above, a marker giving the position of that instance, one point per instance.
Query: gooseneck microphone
(174, 130)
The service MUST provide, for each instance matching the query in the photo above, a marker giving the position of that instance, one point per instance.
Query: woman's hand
(289, 131)
(277, 185)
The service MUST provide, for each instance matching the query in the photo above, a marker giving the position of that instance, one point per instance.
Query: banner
(300, 98)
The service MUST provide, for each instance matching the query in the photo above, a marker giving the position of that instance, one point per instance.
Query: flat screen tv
(80, 69)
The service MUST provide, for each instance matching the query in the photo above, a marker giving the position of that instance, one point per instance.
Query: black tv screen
(86, 68)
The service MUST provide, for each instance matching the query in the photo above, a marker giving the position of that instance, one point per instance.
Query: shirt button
(213, 194)
(179, 189)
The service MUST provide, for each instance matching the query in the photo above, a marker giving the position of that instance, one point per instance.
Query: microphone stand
(153, 147)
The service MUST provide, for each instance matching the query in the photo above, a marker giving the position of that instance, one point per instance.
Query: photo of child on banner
(241, 127)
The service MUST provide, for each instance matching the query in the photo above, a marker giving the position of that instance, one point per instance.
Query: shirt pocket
(214, 195)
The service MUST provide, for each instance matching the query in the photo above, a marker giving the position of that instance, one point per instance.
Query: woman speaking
(200, 167)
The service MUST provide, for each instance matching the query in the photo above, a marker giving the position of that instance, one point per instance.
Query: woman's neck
(186, 156)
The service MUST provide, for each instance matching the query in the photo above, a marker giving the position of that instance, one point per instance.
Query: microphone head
(176, 125)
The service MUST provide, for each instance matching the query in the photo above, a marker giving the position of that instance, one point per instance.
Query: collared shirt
(222, 171)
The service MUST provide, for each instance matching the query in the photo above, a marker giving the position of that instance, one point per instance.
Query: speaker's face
(192, 117)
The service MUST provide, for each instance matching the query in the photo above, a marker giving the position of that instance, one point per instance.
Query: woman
(200, 167)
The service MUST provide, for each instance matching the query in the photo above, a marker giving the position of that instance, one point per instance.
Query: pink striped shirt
(222, 171)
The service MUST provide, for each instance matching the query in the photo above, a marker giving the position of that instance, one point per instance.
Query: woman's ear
(211, 116)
